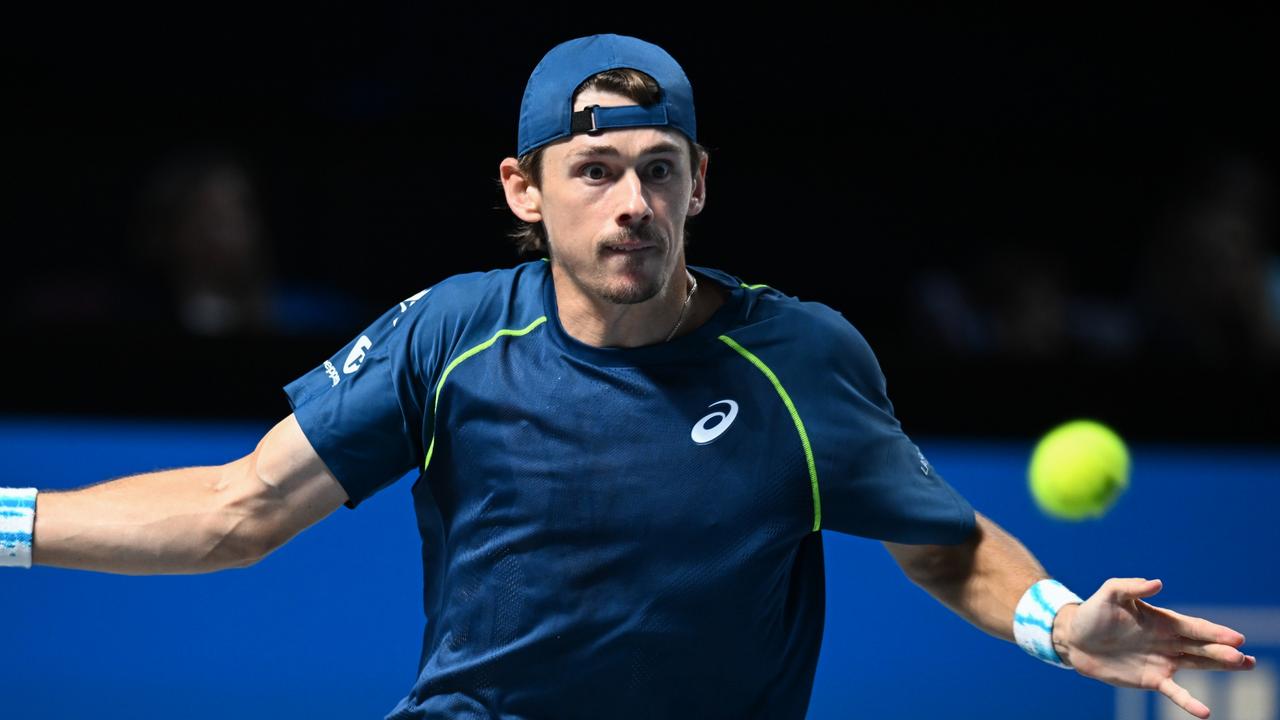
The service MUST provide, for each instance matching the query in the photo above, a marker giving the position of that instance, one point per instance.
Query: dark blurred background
(1030, 218)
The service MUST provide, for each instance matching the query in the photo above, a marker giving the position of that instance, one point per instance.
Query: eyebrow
(611, 151)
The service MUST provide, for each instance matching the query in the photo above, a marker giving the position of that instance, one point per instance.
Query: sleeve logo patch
(356, 358)
(408, 303)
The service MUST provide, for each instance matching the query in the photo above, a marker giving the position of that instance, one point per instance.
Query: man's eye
(594, 172)
(661, 170)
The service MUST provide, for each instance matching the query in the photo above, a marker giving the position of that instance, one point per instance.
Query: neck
(600, 323)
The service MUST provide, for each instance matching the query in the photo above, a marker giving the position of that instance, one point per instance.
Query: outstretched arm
(1114, 636)
(191, 520)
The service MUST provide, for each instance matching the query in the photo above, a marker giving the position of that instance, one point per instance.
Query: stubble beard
(646, 286)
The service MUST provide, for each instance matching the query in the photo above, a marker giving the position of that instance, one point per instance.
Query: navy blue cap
(546, 112)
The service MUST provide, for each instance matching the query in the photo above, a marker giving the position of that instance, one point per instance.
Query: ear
(698, 198)
(522, 197)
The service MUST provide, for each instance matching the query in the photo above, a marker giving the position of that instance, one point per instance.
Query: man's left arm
(1114, 636)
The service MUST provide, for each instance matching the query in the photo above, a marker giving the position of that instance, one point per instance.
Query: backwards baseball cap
(546, 112)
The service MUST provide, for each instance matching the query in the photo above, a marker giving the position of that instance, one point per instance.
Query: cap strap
(594, 118)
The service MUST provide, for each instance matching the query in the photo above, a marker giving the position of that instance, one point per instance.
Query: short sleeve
(873, 481)
(362, 409)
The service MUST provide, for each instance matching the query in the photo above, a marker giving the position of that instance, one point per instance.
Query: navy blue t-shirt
(621, 532)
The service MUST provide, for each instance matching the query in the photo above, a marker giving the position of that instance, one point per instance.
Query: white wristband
(1033, 619)
(17, 523)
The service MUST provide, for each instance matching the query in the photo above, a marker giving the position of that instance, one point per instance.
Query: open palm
(1119, 639)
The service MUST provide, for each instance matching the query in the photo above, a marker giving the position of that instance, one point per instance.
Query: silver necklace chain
(693, 288)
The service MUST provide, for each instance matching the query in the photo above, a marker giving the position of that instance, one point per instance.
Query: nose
(633, 208)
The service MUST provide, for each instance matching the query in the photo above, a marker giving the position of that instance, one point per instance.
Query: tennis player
(625, 462)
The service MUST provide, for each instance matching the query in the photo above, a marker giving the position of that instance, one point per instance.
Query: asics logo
(702, 434)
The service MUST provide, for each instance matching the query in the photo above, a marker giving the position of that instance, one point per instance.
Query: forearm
(183, 521)
(983, 579)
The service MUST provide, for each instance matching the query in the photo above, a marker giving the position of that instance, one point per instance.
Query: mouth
(629, 248)
(634, 243)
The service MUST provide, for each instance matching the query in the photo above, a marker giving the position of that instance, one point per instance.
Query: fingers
(1121, 589)
(1194, 628)
(1197, 662)
(1183, 699)
(1225, 656)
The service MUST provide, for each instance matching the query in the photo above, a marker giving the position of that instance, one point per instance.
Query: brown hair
(633, 84)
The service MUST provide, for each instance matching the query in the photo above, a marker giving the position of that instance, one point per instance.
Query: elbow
(250, 548)
(934, 566)
(237, 542)
(945, 566)
(247, 527)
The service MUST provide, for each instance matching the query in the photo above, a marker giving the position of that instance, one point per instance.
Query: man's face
(614, 206)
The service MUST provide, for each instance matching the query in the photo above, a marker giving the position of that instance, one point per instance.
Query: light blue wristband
(1033, 619)
(17, 524)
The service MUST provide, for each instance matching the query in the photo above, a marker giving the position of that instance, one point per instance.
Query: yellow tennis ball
(1078, 469)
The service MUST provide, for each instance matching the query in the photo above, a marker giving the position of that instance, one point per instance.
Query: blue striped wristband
(17, 523)
(1033, 619)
